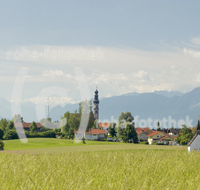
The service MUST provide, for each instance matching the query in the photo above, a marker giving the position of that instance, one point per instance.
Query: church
(94, 134)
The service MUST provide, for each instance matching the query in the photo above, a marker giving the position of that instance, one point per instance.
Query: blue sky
(146, 45)
(138, 24)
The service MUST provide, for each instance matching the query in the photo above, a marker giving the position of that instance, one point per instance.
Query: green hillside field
(61, 164)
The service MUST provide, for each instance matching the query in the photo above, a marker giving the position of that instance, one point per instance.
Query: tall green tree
(112, 129)
(66, 127)
(119, 131)
(128, 117)
(33, 127)
(129, 134)
(125, 117)
(10, 125)
(121, 117)
(1, 134)
(74, 121)
(3, 124)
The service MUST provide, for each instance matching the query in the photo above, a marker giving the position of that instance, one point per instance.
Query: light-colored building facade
(160, 137)
(142, 136)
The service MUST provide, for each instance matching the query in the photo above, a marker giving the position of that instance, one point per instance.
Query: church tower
(96, 105)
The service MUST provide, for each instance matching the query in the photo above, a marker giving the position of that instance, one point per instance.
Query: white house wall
(101, 135)
(195, 144)
(88, 136)
(95, 137)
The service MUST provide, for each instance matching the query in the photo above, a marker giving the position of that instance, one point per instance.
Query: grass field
(97, 166)
(34, 143)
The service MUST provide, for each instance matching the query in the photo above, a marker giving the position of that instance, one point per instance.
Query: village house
(174, 132)
(160, 137)
(142, 133)
(92, 134)
(167, 140)
(142, 136)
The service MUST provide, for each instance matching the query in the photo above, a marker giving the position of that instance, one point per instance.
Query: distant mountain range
(156, 105)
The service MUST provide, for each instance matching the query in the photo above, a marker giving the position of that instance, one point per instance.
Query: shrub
(1, 145)
(46, 134)
(11, 134)
(159, 144)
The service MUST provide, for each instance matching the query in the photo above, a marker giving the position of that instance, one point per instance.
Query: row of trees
(8, 131)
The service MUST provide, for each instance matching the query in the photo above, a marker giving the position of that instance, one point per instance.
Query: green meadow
(34, 143)
(63, 164)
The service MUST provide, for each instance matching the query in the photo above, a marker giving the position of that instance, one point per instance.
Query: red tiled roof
(97, 131)
(104, 125)
(138, 132)
(145, 129)
(165, 137)
(27, 125)
(153, 133)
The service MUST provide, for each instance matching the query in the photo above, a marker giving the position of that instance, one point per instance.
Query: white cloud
(192, 53)
(121, 71)
(196, 40)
